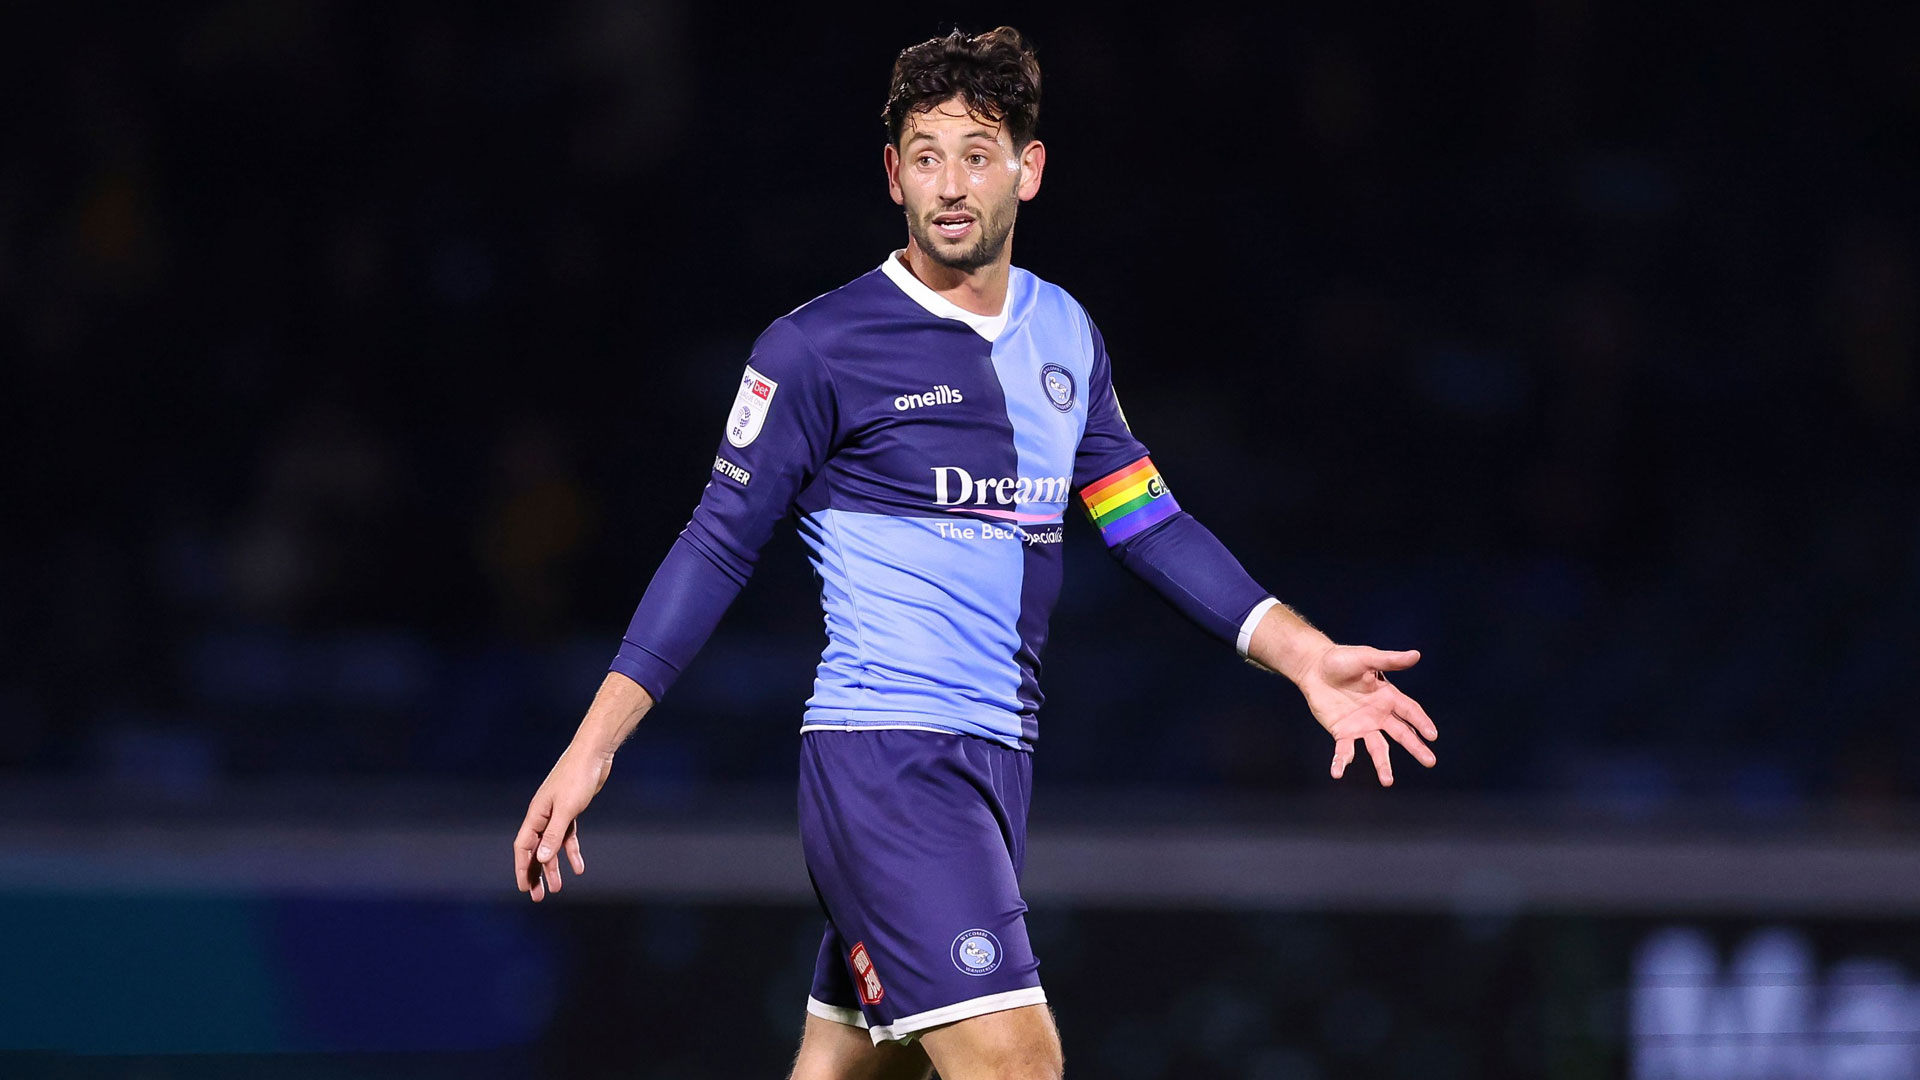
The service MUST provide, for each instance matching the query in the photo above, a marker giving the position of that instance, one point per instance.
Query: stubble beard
(992, 231)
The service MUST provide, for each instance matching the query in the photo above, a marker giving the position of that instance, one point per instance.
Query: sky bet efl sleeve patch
(1128, 501)
(750, 407)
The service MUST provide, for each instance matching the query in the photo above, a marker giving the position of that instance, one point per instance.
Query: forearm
(1185, 563)
(616, 710)
(1188, 565)
(683, 604)
(1286, 643)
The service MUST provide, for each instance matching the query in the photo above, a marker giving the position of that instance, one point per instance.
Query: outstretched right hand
(552, 822)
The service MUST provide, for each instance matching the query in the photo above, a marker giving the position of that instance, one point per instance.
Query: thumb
(1392, 661)
(556, 833)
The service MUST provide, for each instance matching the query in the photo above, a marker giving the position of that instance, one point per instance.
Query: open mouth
(952, 226)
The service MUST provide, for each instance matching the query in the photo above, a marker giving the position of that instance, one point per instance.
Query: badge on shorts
(750, 407)
(868, 979)
(976, 952)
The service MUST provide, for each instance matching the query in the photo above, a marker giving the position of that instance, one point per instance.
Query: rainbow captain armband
(1128, 501)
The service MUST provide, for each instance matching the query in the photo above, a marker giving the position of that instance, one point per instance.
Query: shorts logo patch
(750, 407)
(976, 952)
(1058, 383)
(864, 976)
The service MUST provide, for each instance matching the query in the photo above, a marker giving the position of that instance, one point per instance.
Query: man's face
(961, 182)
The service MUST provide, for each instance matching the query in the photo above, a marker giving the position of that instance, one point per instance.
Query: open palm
(1348, 691)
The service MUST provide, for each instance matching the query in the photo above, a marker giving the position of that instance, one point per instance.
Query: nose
(953, 181)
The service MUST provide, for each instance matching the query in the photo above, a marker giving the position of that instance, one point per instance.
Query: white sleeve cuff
(1252, 621)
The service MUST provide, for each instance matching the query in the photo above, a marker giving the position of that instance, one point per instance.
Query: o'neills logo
(939, 395)
(956, 489)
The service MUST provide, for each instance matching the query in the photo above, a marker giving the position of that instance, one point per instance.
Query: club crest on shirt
(1058, 383)
(750, 407)
(976, 952)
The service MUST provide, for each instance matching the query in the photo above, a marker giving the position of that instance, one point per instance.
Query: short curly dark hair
(995, 73)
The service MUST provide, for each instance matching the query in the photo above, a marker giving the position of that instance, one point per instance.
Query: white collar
(987, 326)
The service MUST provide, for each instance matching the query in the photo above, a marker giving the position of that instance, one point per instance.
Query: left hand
(1346, 687)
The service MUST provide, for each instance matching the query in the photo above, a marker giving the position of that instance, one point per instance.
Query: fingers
(552, 842)
(578, 860)
(523, 845)
(532, 874)
(522, 856)
(1382, 764)
(1342, 757)
(550, 834)
(531, 881)
(536, 871)
(1409, 710)
(1386, 714)
(1403, 734)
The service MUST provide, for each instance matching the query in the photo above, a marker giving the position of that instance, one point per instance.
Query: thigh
(834, 1051)
(1015, 1044)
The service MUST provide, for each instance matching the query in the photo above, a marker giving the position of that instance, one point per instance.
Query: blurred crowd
(365, 361)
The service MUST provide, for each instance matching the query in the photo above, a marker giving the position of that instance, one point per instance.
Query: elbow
(729, 559)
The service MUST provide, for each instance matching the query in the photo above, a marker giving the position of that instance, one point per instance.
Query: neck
(982, 291)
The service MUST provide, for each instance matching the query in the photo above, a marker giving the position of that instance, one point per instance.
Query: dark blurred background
(365, 359)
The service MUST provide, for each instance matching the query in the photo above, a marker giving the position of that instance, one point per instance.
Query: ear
(891, 158)
(1033, 162)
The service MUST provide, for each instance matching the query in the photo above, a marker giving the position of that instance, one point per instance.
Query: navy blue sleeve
(1194, 571)
(1144, 526)
(1106, 445)
(779, 433)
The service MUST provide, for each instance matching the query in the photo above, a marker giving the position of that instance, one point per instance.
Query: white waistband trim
(879, 727)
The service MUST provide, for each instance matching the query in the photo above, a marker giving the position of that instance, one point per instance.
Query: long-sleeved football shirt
(929, 454)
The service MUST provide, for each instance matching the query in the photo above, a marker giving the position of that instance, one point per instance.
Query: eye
(924, 160)
(977, 159)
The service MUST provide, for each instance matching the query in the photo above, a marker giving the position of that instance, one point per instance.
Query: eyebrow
(985, 136)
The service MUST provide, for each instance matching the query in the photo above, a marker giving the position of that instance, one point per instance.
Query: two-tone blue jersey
(929, 455)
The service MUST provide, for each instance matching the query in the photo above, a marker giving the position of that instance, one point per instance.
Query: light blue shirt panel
(1045, 326)
(921, 626)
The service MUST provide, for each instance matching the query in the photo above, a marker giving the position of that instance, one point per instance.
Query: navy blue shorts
(915, 841)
